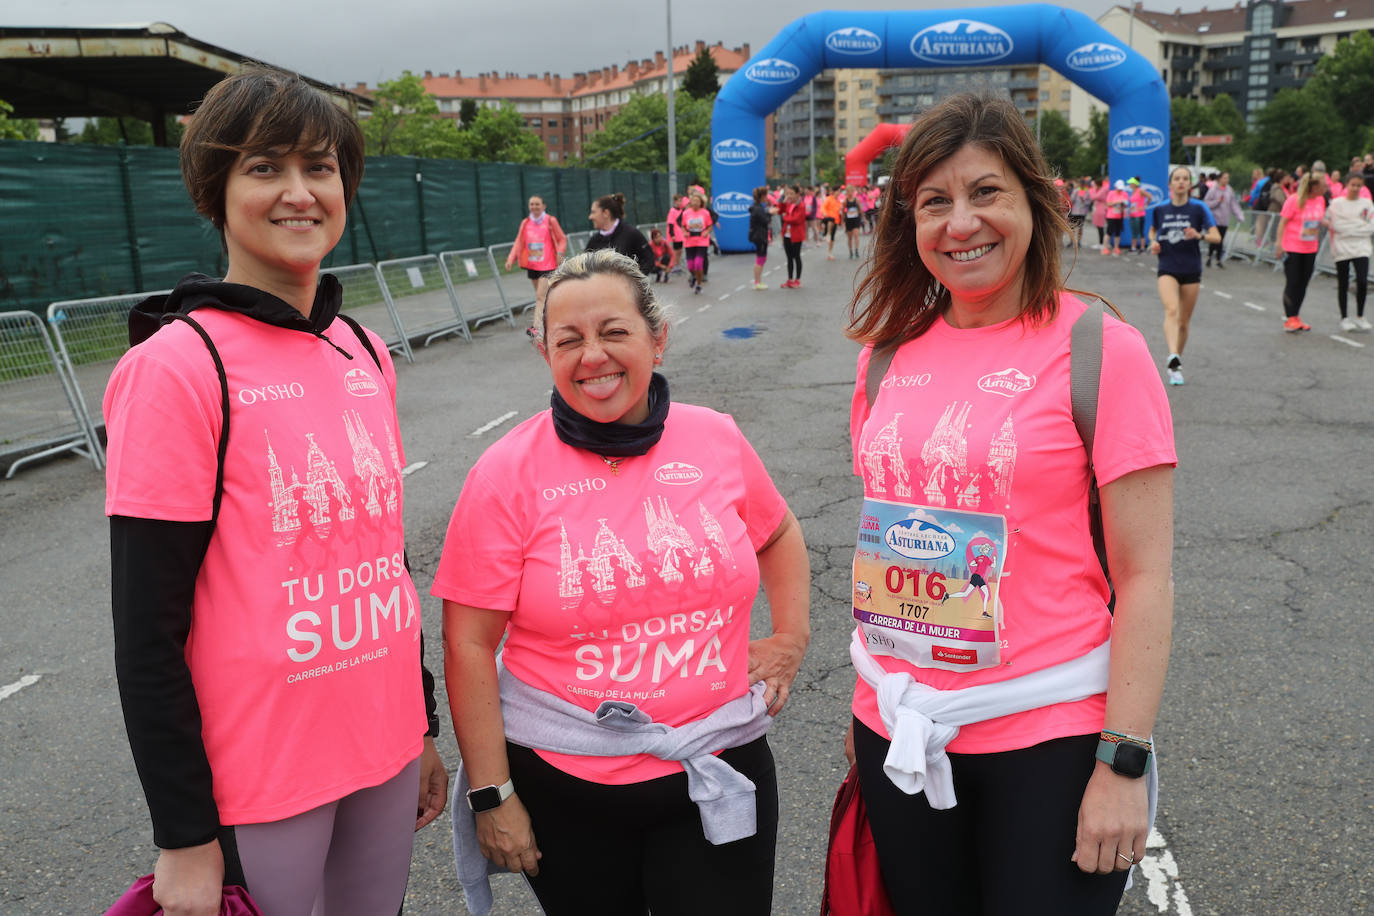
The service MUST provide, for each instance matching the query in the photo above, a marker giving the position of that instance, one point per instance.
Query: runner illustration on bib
(907, 559)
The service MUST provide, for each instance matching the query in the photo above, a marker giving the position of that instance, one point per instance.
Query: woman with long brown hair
(973, 469)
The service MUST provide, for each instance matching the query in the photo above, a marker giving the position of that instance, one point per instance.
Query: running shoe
(1220, 266)
(1116, 251)
(1363, 324)
(830, 257)
(1175, 376)
(1348, 324)
(796, 284)
(760, 286)
(1294, 323)
(1175, 361)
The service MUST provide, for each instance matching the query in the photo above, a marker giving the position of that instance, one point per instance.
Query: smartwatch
(1126, 758)
(488, 798)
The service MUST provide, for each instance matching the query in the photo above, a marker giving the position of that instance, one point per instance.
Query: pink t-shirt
(304, 644)
(634, 585)
(1117, 202)
(539, 253)
(978, 420)
(1139, 201)
(1302, 232)
(696, 226)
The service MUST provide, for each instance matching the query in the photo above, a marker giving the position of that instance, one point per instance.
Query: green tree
(1091, 157)
(498, 134)
(636, 139)
(1188, 117)
(829, 165)
(467, 113)
(16, 128)
(1228, 118)
(405, 121)
(1298, 126)
(1059, 142)
(702, 79)
(127, 131)
(1347, 77)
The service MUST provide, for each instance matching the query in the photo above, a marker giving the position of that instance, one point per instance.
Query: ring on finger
(1129, 860)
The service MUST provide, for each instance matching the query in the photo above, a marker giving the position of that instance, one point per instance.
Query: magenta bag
(138, 901)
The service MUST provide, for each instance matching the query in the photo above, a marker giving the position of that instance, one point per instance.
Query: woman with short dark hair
(760, 224)
(266, 629)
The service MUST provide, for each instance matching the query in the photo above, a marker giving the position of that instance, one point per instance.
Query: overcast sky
(348, 41)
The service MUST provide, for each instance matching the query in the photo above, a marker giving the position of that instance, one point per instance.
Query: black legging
(1297, 271)
(1101, 233)
(793, 250)
(1361, 283)
(639, 847)
(1214, 248)
(1004, 848)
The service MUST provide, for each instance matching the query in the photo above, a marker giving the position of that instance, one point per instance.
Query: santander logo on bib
(1008, 383)
(359, 384)
(678, 474)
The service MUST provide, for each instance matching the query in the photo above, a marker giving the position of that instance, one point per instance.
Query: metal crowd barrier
(1240, 242)
(1326, 262)
(516, 290)
(577, 242)
(422, 298)
(475, 280)
(366, 299)
(39, 413)
(91, 336)
(1269, 251)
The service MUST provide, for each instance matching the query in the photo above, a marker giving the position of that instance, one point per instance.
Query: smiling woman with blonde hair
(973, 469)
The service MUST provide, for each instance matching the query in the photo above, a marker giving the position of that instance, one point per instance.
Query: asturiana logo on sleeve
(1139, 139)
(1095, 55)
(733, 204)
(961, 41)
(772, 71)
(359, 384)
(853, 40)
(734, 151)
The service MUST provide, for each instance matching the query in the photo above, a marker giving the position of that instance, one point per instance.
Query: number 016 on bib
(926, 583)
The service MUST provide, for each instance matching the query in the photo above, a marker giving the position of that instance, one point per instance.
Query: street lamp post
(672, 118)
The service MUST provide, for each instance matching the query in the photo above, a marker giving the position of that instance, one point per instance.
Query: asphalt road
(1265, 734)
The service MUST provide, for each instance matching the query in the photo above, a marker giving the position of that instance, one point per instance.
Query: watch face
(484, 799)
(1131, 759)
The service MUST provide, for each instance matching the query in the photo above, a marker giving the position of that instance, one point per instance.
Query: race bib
(1311, 228)
(926, 584)
(535, 252)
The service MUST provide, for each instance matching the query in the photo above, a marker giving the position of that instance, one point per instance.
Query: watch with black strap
(1125, 754)
(488, 798)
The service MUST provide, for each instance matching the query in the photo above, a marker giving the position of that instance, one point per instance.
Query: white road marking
(413, 467)
(10, 690)
(1218, 292)
(722, 298)
(704, 308)
(740, 287)
(1348, 342)
(1251, 305)
(682, 320)
(1160, 872)
(487, 427)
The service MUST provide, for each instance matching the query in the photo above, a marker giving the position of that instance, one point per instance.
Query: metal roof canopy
(145, 72)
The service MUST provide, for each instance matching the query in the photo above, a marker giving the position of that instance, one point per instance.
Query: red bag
(853, 881)
(138, 901)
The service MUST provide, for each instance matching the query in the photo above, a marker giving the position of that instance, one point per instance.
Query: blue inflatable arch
(1068, 41)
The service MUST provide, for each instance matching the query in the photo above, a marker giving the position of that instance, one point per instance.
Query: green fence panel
(63, 224)
(573, 199)
(80, 221)
(173, 240)
(502, 203)
(390, 197)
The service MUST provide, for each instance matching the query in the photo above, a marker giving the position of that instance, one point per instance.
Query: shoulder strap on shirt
(1085, 377)
(223, 448)
(878, 363)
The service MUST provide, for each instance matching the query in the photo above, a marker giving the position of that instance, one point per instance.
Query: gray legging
(349, 857)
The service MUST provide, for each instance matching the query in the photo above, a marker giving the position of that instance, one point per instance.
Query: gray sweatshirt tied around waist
(537, 719)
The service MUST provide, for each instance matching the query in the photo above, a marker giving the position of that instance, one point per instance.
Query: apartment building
(565, 112)
(1248, 51)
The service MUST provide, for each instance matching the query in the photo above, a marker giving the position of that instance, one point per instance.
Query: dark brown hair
(898, 299)
(760, 193)
(613, 204)
(252, 112)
